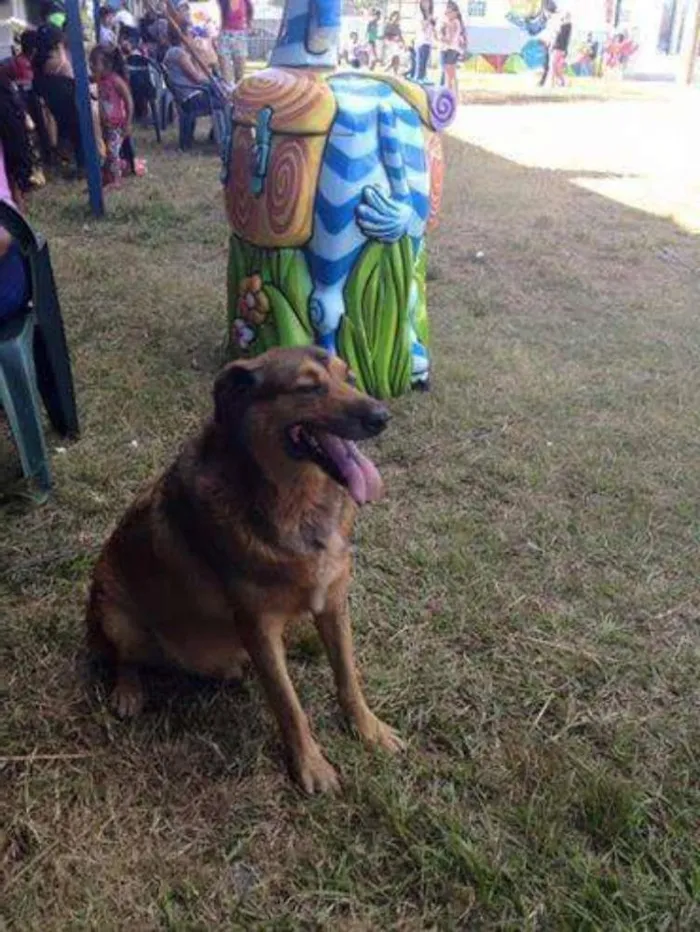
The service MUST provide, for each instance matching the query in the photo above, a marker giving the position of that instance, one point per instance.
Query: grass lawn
(526, 603)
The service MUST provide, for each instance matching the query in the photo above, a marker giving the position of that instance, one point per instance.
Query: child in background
(560, 51)
(116, 108)
(20, 66)
(454, 44)
(373, 37)
(393, 42)
(350, 53)
(410, 61)
(108, 34)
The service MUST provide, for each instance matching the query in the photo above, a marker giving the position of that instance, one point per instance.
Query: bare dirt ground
(526, 603)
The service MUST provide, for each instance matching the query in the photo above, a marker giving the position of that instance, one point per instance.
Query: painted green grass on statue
(375, 335)
(420, 321)
(279, 312)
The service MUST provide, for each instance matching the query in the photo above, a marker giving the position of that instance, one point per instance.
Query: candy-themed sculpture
(330, 184)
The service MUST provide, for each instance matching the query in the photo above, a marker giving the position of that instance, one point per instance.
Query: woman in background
(425, 38)
(54, 82)
(373, 37)
(560, 51)
(236, 19)
(453, 36)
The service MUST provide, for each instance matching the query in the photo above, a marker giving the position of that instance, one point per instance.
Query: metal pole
(689, 42)
(91, 158)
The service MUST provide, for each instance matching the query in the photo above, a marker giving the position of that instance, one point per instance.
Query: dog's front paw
(376, 732)
(127, 698)
(313, 773)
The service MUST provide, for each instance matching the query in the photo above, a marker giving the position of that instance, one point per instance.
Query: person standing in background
(425, 38)
(107, 37)
(236, 19)
(52, 13)
(393, 42)
(123, 17)
(54, 82)
(560, 51)
(350, 53)
(547, 38)
(373, 37)
(454, 44)
(116, 108)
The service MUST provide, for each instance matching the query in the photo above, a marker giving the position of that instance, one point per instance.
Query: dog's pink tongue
(362, 476)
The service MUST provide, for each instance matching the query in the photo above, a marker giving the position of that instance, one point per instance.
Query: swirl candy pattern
(288, 176)
(283, 214)
(443, 107)
(301, 102)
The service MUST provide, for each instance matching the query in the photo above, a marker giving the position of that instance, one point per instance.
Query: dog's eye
(311, 388)
(351, 380)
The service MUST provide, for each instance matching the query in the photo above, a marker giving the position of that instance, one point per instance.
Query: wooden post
(689, 43)
(91, 158)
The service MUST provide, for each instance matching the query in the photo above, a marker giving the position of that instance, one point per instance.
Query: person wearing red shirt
(236, 17)
(20, 67)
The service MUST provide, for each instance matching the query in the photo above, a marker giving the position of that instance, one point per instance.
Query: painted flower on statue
(243, 335)
(253, 303)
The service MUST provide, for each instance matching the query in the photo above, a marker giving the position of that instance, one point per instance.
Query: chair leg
(20, 399)
(188, 122)
(166, 109)
(153, 104)
(181, 131)
(54, 375)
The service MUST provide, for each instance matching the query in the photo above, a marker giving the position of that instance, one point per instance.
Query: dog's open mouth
(340, 459)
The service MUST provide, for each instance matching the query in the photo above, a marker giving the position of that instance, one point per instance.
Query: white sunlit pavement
(644, 154)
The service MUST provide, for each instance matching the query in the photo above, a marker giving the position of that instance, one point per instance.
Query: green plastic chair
(19, 396)
(34, 359)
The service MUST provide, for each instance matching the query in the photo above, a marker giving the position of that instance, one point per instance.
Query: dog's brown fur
(235, 540)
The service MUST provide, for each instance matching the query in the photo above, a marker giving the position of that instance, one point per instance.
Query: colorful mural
(503, 40)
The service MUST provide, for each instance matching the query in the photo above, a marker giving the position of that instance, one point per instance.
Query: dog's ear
(234, 388)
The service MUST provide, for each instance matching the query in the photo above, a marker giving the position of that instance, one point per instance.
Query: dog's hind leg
(333, 625)
(264, 642)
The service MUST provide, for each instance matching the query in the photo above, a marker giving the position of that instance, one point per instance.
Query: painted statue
(331, 182)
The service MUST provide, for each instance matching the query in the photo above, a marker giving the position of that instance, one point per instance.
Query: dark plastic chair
(186, 119)
(34, 356)
(146, 79)
(218, 108)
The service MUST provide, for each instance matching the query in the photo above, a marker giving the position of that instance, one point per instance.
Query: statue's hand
(381, 217)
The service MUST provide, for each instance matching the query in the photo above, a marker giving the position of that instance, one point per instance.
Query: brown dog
(246, 531)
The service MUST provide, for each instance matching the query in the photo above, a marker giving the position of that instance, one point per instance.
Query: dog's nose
(375, 420)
